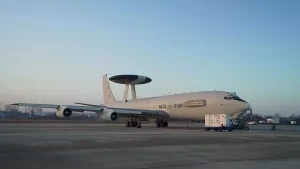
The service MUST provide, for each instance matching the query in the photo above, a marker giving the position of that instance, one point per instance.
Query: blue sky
(56, 52)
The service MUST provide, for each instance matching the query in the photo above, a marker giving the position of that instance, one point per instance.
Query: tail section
(108, 95)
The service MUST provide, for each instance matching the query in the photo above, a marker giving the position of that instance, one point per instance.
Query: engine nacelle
(63, 112)
(109, 116)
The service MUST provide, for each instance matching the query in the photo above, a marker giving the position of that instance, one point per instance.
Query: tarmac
(113, 146)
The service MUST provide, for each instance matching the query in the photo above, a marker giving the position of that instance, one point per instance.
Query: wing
(137, 113)
(103, 110)
(51, 106)
(55, 106)
(85, 104)
(140, 113)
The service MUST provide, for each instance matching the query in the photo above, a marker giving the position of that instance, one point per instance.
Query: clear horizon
(56, 52)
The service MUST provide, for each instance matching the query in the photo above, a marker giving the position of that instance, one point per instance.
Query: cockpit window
(234, 97)
(239, 99)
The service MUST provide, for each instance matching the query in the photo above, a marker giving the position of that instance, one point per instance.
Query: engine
(109, 116)
(63, 112)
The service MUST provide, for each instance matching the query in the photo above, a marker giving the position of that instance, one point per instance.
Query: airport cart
(218, 122)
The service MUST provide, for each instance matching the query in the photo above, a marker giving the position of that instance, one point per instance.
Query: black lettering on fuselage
(179, 105)
(163, 106)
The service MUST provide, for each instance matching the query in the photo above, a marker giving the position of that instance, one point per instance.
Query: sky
(57, 51)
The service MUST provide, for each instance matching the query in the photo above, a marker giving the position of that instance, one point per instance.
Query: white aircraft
(162, 109)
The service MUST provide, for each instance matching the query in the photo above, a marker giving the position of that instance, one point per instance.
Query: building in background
(273, 120)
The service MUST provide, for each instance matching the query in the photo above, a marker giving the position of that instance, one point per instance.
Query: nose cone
(247, 106)
(241, 109)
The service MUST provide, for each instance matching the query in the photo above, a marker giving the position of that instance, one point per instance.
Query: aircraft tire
(129, 123)
(157, 124)
(166, 124)
(139, 124)
(161, 124)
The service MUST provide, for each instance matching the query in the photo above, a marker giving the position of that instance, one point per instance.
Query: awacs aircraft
(192, 106)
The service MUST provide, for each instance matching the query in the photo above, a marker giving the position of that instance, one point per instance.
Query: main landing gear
(134, 123)
(162, 124)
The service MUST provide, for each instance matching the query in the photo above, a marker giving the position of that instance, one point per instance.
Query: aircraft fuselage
(192, 106)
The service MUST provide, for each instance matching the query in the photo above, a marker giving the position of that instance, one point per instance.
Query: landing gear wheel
(157, 124)
(161, 124)
(135, 123)
(130, 124)
(166, 124)
(139, 124)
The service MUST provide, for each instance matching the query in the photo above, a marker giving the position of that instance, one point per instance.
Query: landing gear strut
(134, 123)
(161, 124)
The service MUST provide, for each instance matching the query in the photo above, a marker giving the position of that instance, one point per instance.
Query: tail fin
(108, 95)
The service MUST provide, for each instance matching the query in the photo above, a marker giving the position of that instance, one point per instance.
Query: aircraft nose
(248, 106)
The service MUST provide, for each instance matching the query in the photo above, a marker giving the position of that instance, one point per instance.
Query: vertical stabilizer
(107, 93)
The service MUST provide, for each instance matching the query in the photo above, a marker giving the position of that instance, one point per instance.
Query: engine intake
(67, 112)
(63, 112)
(109, 115)
(113, 116)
